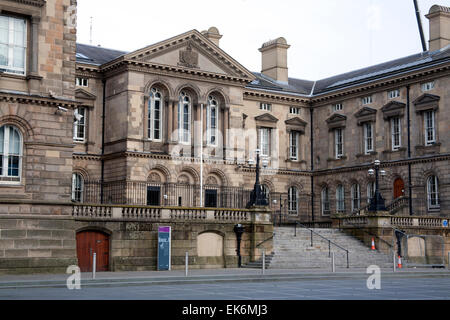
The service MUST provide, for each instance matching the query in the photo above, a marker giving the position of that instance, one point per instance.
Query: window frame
(76, 125)
(6, 179)
(367, 100)
(395, 146)
(182, 132)
(431, 129)
(433, 195)
(325, 201)
(9, 68)
(336, 108)
(260, 141)
(294, 135)
(340, 202)
(370, 190)
(292, 201)
(428, 86)
(265, 106)
(355, 196)
(151, 119)
(76, 190)
(212, 132)
(393, 96)
(338, 152)
(79, 81)
(295, 110)
(368, 140)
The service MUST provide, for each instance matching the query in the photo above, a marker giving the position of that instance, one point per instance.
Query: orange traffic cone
(399, 262)
(373, 244)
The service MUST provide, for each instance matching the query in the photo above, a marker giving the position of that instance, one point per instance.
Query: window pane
(19, 58)
(13, 166)
(3, 55)
(14, 141)
(2, 138)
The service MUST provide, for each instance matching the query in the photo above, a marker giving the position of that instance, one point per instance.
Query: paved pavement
(232, 284)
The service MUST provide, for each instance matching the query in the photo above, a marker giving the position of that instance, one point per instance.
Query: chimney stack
(439, 17)
(274, 59)
(213, 35)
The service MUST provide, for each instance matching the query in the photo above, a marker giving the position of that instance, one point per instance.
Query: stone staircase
(295, 252)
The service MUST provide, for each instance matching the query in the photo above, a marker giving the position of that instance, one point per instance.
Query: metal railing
(326, 239)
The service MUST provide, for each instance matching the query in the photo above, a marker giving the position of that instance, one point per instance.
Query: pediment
(393, 105)
(266, 117)
(296, 122)
(85, 95)
(366, 111)
(191, 50)
(426, 98)
(336, 118)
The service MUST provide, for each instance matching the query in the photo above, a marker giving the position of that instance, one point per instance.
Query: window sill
(401, 149)
(295, 161)
(366, 155)
(431, 149)
(337, 159)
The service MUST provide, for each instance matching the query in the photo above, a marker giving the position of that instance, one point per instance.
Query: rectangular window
(367, 100)
(428, 86)
(13, 39)
(338, 107)
(211, 115)
(368, 137)
(338, 142)
(394, 94)
(265, 106)
(396, 139)
(294, 110)
(430, 129)
(82, 82)
(293, 145)
(79, 125)
(264, 141)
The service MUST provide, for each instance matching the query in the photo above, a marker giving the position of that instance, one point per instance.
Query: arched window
(370, 191)
(155, 106)
(265, 191)
(433, 193)
(293, 200)
(184, 118)
(11, 154)
(340, 202)
(77, 187)
(325, 200)
(356, 197)
(212, 119)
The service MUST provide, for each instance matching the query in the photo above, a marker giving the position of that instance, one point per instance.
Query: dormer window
(367, 100)
(82, 82)
(428, 86)
(265, 106)
(394, 94)
(13, 39)
(338, 107)
(294, 110)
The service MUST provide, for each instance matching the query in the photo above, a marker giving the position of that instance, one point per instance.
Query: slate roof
(97, 56)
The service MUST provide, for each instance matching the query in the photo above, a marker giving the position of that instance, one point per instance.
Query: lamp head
(371, 172)
(377, 162)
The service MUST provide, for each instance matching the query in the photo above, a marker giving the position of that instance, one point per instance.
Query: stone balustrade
(389, 221)
(144, 213)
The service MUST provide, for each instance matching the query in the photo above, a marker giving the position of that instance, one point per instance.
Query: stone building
(178, 123)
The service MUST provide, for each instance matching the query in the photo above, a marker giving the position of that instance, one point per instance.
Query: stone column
(226, 127)
(33, 65)
(169, 120)
(175, 118)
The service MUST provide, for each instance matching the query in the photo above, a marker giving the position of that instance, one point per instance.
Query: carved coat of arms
(188, 58)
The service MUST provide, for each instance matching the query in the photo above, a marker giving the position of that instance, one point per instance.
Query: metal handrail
(329, 241)
(265, 240)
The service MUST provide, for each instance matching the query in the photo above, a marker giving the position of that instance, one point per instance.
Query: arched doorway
(399, 188)
(88, 242)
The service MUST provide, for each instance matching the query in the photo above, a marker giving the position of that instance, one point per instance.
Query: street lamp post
(377, 201)
(239, 230)
(257, 196)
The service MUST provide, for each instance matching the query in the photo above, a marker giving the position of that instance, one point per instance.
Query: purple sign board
(164, 244)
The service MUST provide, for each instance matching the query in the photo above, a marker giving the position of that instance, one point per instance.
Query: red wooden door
(89, 242)
(399, 188)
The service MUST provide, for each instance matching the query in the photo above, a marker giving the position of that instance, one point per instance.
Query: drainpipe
(409, 149)
(102, 179)
(311, 112)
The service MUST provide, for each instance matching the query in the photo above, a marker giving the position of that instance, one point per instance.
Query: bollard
(263, 261)
(94, 265)
(186, 264)
(333, 267)
(393, 260)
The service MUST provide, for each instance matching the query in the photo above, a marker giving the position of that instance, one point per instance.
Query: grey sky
(327, 37)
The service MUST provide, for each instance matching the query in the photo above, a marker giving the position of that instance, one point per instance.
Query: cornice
(258, 95)
(80, 156)
(40, 100)
(35, 3)
(409, 76)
